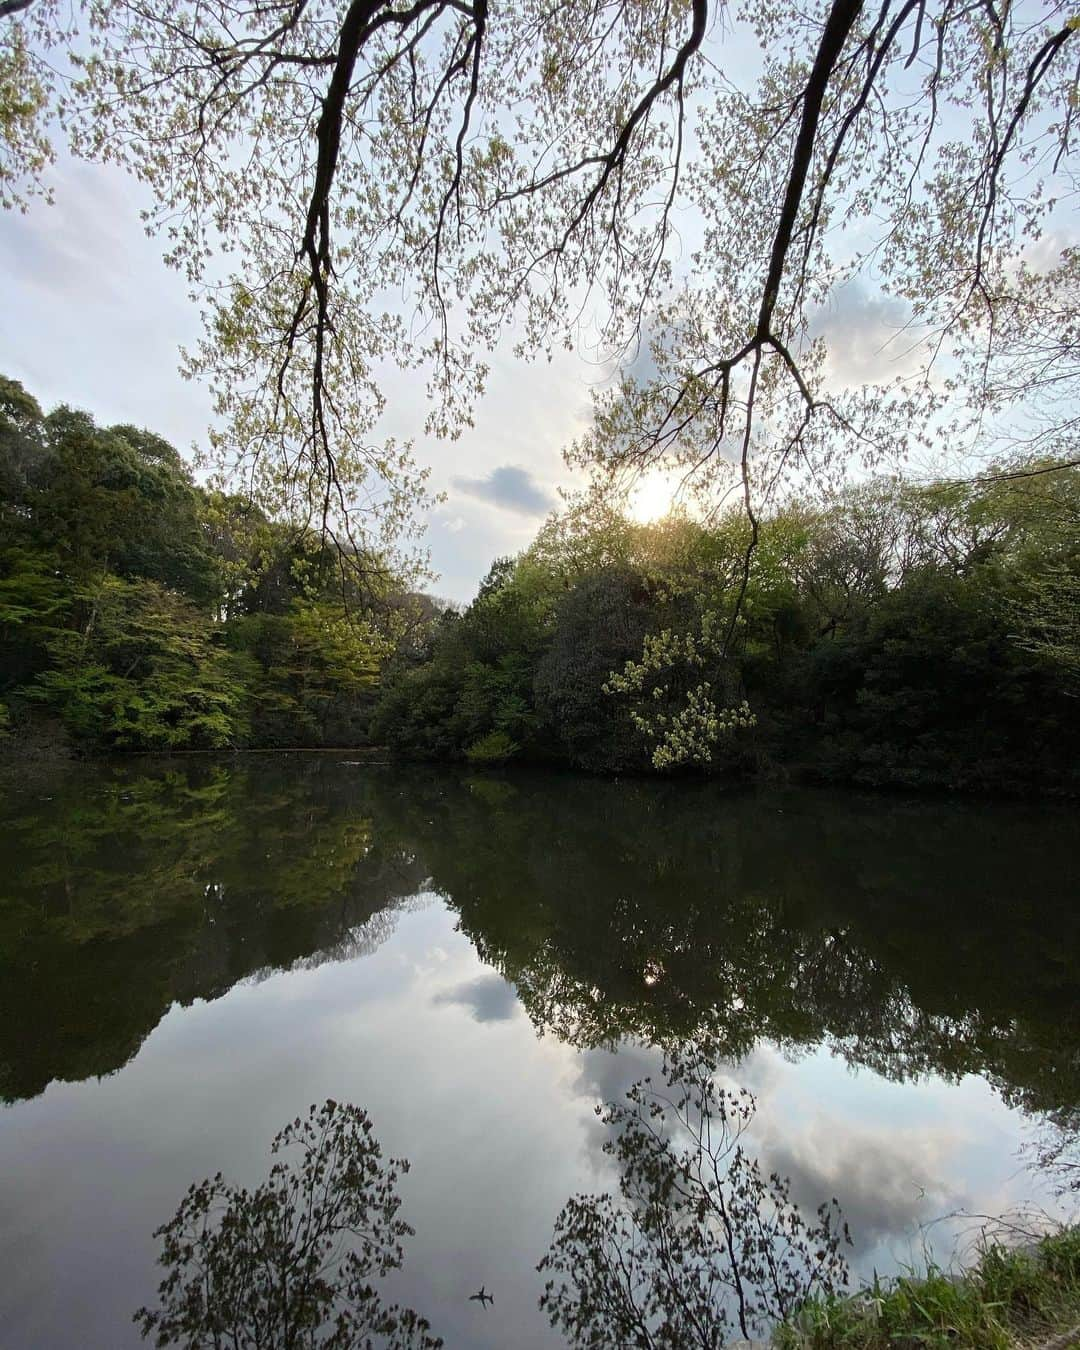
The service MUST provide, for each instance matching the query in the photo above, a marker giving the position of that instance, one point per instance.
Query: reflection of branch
(296, 1257)
(698, 1236)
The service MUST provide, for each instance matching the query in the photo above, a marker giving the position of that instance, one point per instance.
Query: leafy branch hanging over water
(350, 184)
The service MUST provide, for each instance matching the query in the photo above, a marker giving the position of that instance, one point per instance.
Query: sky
(92, 317)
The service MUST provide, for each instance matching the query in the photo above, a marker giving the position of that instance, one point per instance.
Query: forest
(900, 634)
(140, 611)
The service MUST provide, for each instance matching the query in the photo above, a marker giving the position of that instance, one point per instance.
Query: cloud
(489, 999)
(509, 487)
(887, 1181)
(864, 337)
(604, 1076)
(607, 1074)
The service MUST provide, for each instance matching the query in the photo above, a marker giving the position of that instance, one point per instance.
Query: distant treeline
(140, 611)
(903, 635)
(909, 636)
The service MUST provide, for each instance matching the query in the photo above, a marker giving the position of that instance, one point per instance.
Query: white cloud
(888, 1181)
(866, 337)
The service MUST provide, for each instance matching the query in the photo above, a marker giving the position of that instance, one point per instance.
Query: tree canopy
(894, 636)
(142, 610)
(346, 184)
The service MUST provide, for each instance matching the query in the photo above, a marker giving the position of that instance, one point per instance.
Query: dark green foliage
(309, 674)
(943, 695)
(475, 679)
(293, 1262)
(116, 500)
(143, 612)
(918, 638)
(599, 625)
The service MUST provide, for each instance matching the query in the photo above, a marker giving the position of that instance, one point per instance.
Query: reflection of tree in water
(698, 1243)
(913, 937)
(128, 888)
(293, 1263)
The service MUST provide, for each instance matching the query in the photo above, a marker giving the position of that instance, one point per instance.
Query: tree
(117, 499)
(148, 611)
(600, 624)
(291, 1264)
(1050, 619)
(313, 672)
(492, 160)
(142, 671)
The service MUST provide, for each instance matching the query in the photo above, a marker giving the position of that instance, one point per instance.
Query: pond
(193, 952)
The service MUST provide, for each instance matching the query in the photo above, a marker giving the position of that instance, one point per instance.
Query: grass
(1009, 1299)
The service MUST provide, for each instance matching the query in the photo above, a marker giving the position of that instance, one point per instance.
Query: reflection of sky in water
(497, 1122)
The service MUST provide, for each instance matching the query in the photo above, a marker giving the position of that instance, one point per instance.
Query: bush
(494, 748)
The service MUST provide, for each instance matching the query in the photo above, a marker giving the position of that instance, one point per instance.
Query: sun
(652, 496)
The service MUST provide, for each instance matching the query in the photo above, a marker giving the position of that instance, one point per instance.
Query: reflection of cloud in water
(606, 1074)
(761, 1072)
(489, 999)
(887, 1181)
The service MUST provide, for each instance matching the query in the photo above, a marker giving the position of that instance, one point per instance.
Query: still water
(191, 953)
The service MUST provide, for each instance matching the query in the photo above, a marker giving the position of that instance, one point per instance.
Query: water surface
(192, 952)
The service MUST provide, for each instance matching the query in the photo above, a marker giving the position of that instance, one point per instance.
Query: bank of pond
(894, 635)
